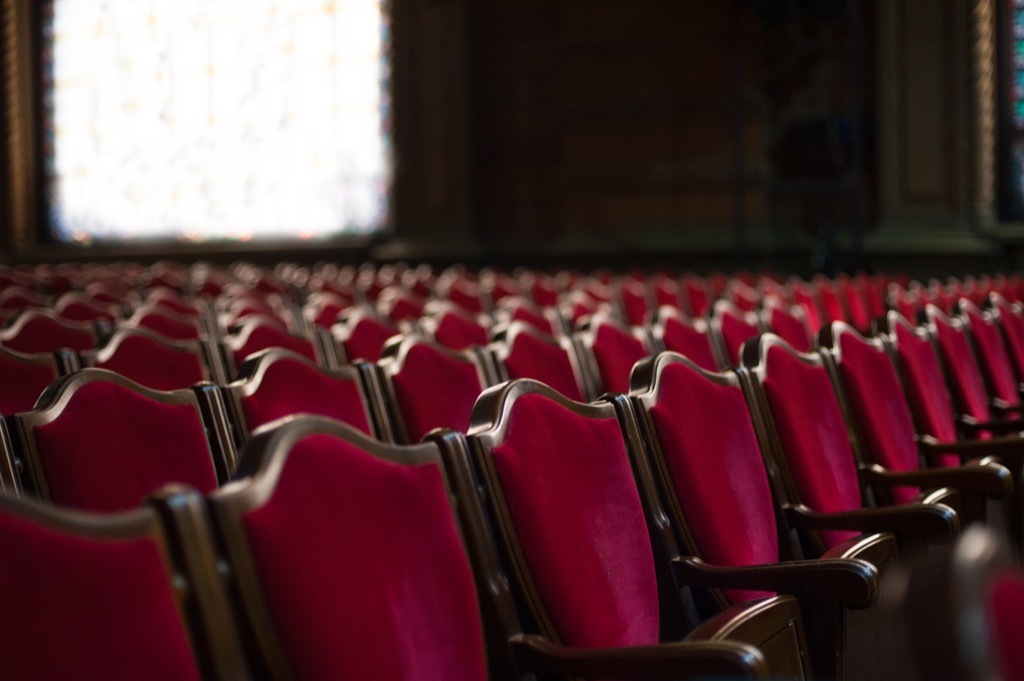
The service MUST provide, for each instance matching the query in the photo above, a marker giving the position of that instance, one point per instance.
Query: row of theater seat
(704, 413)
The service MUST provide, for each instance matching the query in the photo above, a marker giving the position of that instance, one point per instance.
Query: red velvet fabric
(577, 513)
(616, 351)
(880, 409)
(813, 436)
(292, 387)
(533, 357)
(856, 296)
(537, 320)
(77, 608)
(993, 360)
(926, 389)
(1013, 332)
(683, 338)
(84, 311)
(708, 440)
(403, 307)
(831, 303)
(465, 294)
(154, 364)
(966, 384)
(111, 447)
(168, 326)
(263, 336)
(366, 341)
(735, 332)
(697, 297)
(22, 382)
(634, 302)
(789, 328)
(434, 391)
(1005, 609)
(458, 332)
(363, 571)
(45, 334)
(811, 304)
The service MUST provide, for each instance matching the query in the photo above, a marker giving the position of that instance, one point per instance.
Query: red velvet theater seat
(97, 441)
(614, 350)
(430, 386)
(99, 598)
(559, 476)
(520, 351)
(993, 358)
(882, 429)
(276, 382)
(348, 558)
(703, 449)
(42, 331)
(690, 337)
(361, 336)
(801, 427)
(731, 328)
(453, 327)
(155, 361)
(23, 377)
(258, 335)
(166, 322)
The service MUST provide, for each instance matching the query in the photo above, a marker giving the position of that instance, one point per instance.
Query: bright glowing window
(204, 120)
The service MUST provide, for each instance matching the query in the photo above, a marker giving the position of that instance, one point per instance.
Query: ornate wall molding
(983, 114)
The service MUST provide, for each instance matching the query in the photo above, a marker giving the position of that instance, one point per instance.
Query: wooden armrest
(676, 660)
(1001, 408)
(852, 581)
(991, 479)
(999, 426)
(936, 523)
(1008, 446)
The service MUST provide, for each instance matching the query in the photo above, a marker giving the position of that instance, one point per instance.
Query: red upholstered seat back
(23, 378)
(108, 446)
(1005, 609)
(434, 389)
(165, 322)
(150, 361)
(831, 302)
(735, 331)
(789, 327)
(535, 318)
(1012, 325)
(362, 569)
(992, 357)
(962, 371)
(925, 388)
(365, 339)
(88, 608)
(812, 433)
(707, 438)
(690, 339)
(634, 299)
(255, 337)
(616, 351)
(458, 331)
(698, 295)
(878, 405)
(577, 514)
(541, 358)
(36, 331)
(288, 385)
(808, 297)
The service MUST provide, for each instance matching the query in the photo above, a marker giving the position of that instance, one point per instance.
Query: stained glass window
(216, 119)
